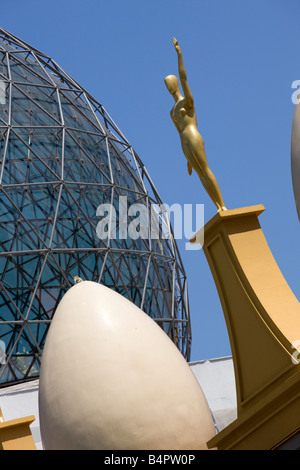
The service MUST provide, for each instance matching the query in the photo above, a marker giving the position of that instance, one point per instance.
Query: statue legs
(197, 159)
(211, 186)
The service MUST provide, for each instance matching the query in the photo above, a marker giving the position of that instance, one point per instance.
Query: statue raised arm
(184, 117)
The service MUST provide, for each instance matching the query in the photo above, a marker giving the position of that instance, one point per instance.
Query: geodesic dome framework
(62, 156)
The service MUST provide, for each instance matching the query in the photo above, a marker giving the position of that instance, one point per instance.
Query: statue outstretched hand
(177, 47)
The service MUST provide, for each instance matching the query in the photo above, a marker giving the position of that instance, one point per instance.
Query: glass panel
(43, 96)
(27, 71)
(32, 157)
(4, 101)
(90, 150)
(79, 164)
(76, 112)
(3, 66)
(32, 211)
(26, 113)
(124, 175)
(23, 356)
(77, 220)
(46, 145)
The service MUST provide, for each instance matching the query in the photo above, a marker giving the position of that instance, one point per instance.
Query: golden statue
(184, 117)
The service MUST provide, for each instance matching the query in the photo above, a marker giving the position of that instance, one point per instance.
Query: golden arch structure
(263, 320)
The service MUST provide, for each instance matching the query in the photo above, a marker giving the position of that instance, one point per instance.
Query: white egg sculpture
(112, 379)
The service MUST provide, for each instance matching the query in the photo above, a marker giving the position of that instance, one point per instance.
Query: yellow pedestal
(263, 321)
(16, 434)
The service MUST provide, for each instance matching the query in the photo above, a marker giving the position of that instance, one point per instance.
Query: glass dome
(61, 158)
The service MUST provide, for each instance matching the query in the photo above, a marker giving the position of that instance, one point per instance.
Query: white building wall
(217, 380)
(19, 401)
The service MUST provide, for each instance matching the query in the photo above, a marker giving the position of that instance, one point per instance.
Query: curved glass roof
(61, 157)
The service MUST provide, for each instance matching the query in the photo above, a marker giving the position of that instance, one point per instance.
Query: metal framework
(61, 157)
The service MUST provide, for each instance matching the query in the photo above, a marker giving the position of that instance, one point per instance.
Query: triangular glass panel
(150, 305)
(124, 174)
(78, 217)
(3, 66)
(19, 277)
(23, 355)
(37, 330)
(34, 368)
(45, 98)
(6, 373)
(7, 234)
(8, 312)
(74, 227)
(3, 136)
(136, 266)
(77, 113)
(78, 166)
(86, 265)
(47, 145)
(44, 302)
(161, 231)
(167, 327)
(86, 158)
(33, 211)
(158, 298)
(111, 274)
(23, 165)
(25, 112)
(27, 71)
(130, 230)
(126, 275)
(4, 100)
(21, 237)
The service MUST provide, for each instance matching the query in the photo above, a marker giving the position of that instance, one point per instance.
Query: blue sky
(241, 59)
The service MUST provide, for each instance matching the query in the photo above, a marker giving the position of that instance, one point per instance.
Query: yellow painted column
(263, 321)
(16, 434)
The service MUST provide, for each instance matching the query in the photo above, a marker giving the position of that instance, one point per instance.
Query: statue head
(172, 84)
